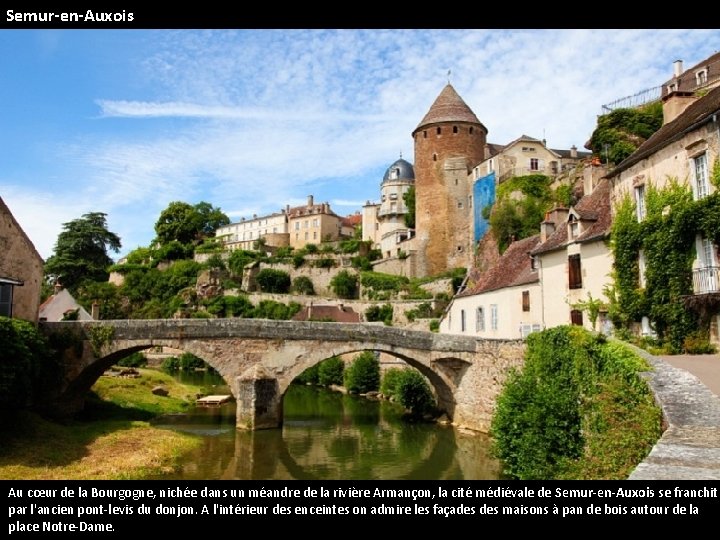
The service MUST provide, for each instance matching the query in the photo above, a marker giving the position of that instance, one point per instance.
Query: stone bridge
(260, 358)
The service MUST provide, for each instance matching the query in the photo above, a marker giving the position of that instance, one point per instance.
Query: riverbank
(112, 439)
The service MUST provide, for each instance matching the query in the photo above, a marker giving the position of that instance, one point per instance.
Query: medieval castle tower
(449, 142)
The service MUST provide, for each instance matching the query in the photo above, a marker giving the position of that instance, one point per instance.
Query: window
(640, 202)
(434, 157)
(297, 225)
(534, 262)
(306, 223)
(493, 316)
(455, 130)
(701, 77)
(479, 320)
(439, 131)
(383, 198)
(314, 235)
(460, 204)
(316, 222)
(534, 164)
(425, 134)
(576, 317)
(672, 88)
(528, 149)
(526, 300)
(6, 296)
(393, 196)
(470, 130)
(701, 186)
(462, 320)
(574, 272)
(306, 236)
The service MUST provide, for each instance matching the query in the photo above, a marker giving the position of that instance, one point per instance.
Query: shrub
(310, 376)
(189, 361)
(269, 309)
(136, 359)
(577, 409)
(390, 379)
(330, 371)
(363, 374)
(25, 360)
(345, 284)
(171, 364)
(435, 325)
(698, 343)
(273, 281)
(324, 262)
(303, 285)
(378, 313)
(413, 392)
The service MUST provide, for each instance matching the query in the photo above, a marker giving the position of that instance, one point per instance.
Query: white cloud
(253, 120)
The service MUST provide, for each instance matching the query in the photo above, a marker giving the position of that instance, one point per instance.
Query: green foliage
(100, 335)
(515, 218)
(188, 224)
(136, 359)
(576, 397)
(230, 306)
(25, 360)
(698, 342)
(324, 262)
(409, 198)
(269, 309)
(382, 313)
(624, 130)
(310, 249)
(390, 380)
(81, 251)
(186, 361)
(667, 238)
(215, 262)
(173, 250)
(592, 306)
(310, 376)
(435, 325)
(139, 256)
(330, 371)
(239, 259)
(413, 392)
(361, 263)
(363, 374)
(273, 281)
(303, 285)
(345, 284)
(382, 282)
(423, 311)
(213, 244)
(354, 245)
(715, 174)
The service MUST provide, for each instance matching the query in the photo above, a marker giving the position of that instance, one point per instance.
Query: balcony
(706, 280)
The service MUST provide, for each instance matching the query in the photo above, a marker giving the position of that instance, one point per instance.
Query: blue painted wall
(483, 195)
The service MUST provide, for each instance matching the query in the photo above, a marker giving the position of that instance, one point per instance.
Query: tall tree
(187, 223)
(409, 198)
(81, 251)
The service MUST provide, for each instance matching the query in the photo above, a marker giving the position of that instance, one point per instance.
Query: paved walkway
(687, 388)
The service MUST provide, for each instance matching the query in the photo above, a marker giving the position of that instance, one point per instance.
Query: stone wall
(19, 260)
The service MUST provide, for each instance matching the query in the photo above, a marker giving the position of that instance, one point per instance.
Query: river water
(327, 435)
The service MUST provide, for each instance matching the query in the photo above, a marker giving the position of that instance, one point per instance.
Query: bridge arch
(260, 358)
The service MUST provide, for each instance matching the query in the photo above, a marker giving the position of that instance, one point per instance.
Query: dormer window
(672, 87)
(573, 227)
(701, 77)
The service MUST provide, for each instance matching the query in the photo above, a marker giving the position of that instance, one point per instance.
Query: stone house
(313, 223)
(21, 270)
(243, 234)
(502, 303)
(686, 149)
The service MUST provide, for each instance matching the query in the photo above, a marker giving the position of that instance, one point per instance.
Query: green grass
(111, 439)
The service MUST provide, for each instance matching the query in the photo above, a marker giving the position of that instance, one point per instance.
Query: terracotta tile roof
(696, 113)
(449, 107)
(337, 313)
(594, 213)
(512, 269)
(315, 209)
(352, 220)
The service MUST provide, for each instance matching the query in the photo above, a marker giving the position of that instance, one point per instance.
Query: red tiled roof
(352, 220)
(315, 209)
(449, 107)
(594, 213)
(512, 269)
(335, 313)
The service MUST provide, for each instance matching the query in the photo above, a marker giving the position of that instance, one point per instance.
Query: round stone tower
(449, 142)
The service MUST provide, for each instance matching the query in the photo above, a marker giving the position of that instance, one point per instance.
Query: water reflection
(328, 435)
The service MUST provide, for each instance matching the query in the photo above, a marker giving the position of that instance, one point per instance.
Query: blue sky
(127, 121)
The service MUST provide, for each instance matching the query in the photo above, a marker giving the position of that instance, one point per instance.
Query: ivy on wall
(667, 238)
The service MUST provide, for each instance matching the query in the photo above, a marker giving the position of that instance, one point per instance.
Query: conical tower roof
(449, 107)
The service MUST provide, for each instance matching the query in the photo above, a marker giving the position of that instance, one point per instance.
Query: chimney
(677, 68)
(287, 208)
(310, 200)
(546, 230)
(573, 151)
(675, 103)
(95, 311)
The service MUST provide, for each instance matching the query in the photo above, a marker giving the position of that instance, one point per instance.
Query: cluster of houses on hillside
(538, 282)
